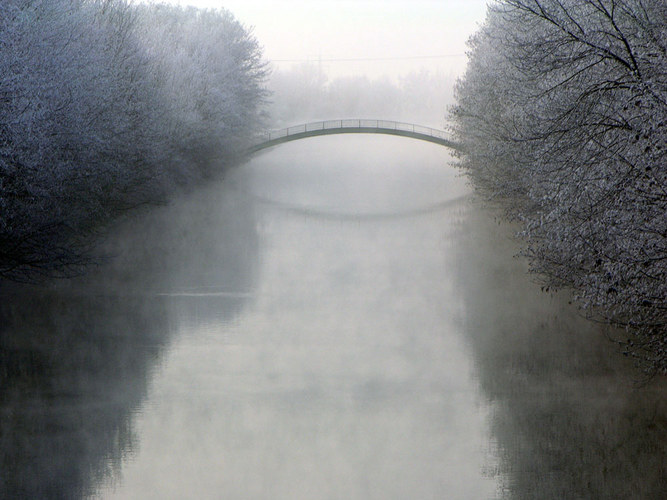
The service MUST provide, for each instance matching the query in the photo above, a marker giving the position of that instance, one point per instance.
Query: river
(337, 319)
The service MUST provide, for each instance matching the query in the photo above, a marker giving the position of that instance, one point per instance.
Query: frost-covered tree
(209, 74)
(563, 114)
(72, 107)
(105, 106)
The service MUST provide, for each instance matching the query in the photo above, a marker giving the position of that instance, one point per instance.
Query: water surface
(336, 319)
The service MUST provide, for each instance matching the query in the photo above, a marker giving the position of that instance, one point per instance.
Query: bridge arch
(353, 126)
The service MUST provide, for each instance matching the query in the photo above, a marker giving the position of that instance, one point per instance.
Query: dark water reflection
(337, 319)
(571, 418)
(76, 358)
(74, 370)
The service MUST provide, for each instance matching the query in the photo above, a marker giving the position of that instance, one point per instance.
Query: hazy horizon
(373, 38)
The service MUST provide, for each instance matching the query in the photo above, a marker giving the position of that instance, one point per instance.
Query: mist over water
(337, 318)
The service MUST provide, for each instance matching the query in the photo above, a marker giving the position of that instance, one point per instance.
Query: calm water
(337, 319)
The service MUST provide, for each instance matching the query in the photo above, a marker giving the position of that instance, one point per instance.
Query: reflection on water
(571, 417)
(74, 370)
(336, 320)
(345, 376)
(76, 358)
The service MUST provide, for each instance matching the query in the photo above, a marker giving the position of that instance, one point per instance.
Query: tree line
(306, 92)
(106, 106)
(562, 115)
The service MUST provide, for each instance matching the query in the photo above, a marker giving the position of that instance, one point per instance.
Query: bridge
(353, 126)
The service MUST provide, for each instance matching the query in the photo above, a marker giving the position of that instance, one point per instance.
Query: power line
(366, 59)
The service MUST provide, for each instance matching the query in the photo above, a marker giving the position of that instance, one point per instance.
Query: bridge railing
(355, 124)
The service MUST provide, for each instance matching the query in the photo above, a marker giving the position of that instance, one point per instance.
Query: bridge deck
(353, 126)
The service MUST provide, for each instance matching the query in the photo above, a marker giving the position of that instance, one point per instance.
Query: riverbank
(561, 113)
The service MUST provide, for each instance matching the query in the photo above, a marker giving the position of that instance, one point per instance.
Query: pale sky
(393, 37)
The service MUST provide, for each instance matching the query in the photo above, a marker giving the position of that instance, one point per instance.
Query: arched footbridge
(353, 126)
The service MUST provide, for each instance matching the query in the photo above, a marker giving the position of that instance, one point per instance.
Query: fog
(373, 38)
(394, 59)
(335, 317)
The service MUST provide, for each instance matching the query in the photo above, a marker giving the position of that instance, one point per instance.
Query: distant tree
(306, 93)
(298, 94)
(426, 96)
(562, 114)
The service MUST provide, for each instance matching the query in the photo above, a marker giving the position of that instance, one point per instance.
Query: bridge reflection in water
(353, 126)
